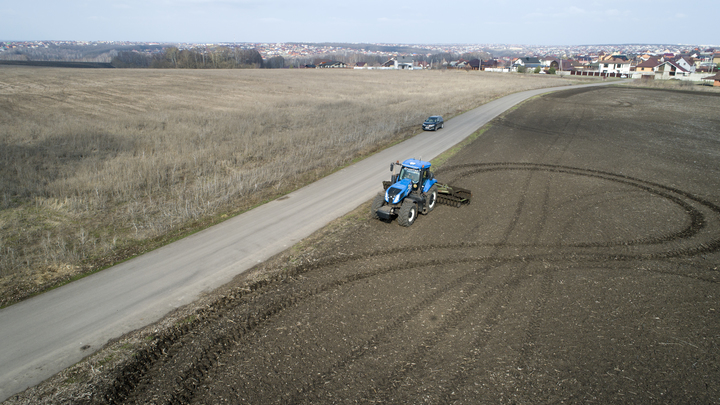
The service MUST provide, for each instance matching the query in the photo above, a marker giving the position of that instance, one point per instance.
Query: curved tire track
(699, 236)
(701, 233)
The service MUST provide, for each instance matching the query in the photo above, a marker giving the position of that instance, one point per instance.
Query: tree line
(234, 58)
(174, 58)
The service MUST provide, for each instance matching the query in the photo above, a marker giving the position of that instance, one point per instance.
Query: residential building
(621, 66)
(649, 65)
(672, 68)
(715, 79)
(332, 64)
(401, 62)
(527, 61)
(404, 62)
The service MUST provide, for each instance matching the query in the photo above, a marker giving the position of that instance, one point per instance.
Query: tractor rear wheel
(432, 196)
(408, 213)
(378, 202)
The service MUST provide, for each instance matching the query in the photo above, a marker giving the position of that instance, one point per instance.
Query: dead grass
(99, 165)
(673, 85)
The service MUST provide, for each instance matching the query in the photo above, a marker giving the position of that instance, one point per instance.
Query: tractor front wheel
(378, 202)
(408, 213)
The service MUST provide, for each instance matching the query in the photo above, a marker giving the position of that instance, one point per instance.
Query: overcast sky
(528, 22)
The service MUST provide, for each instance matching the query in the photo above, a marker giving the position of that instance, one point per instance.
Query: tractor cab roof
(416, 164)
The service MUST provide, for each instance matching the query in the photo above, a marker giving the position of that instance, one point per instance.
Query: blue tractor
(414, 190)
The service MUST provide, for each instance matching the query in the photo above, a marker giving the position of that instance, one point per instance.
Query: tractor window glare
(408, 173)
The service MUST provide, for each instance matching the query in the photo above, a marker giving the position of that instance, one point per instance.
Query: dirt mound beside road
(584, 270)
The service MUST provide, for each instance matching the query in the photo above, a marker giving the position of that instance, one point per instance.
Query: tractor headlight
(393, 195)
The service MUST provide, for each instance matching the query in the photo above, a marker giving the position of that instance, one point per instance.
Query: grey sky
(530, 22)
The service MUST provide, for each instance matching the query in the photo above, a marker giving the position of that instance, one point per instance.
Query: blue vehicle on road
(433, 123)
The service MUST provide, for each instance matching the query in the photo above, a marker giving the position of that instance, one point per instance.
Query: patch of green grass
(31, 219)
(106, 360)
(188, 320)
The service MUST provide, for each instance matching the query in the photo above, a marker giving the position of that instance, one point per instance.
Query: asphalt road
(50, 332)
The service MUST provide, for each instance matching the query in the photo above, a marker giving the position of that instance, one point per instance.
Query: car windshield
(431, 119)
(408, 173)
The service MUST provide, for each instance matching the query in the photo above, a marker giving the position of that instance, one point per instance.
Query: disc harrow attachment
(453, 196)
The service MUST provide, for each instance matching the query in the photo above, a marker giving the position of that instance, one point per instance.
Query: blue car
(433, 123)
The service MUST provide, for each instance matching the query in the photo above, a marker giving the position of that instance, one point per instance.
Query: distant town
(685, 62)
(305, 50)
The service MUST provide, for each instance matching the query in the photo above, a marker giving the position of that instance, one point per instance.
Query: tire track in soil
(466, 369)
(499, 296)
(317, 384)
(522, 368)
(388, 385)
(697, 218)
(132, 375)
(131, 380)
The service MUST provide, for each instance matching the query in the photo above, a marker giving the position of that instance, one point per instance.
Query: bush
(551, 71)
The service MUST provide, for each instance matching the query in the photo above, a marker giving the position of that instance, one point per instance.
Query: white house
(686, 64)
(670, 68)
(527, 61)
(400, 62)
(614, 66)
(547, 62)
(404, 62)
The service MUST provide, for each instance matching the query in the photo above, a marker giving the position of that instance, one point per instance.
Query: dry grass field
(99, 165)
(673, 85)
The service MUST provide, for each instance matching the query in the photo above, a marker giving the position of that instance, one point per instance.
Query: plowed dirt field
(585, 270)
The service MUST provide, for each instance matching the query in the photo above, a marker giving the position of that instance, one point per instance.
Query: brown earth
(585, 270)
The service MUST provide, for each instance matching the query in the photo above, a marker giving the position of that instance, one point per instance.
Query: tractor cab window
(408, 173)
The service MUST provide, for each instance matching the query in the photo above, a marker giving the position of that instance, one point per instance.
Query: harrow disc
(450, 200)
(453, 196)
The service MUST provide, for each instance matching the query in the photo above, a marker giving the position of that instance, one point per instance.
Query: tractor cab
(411, 177)
(415, 171)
